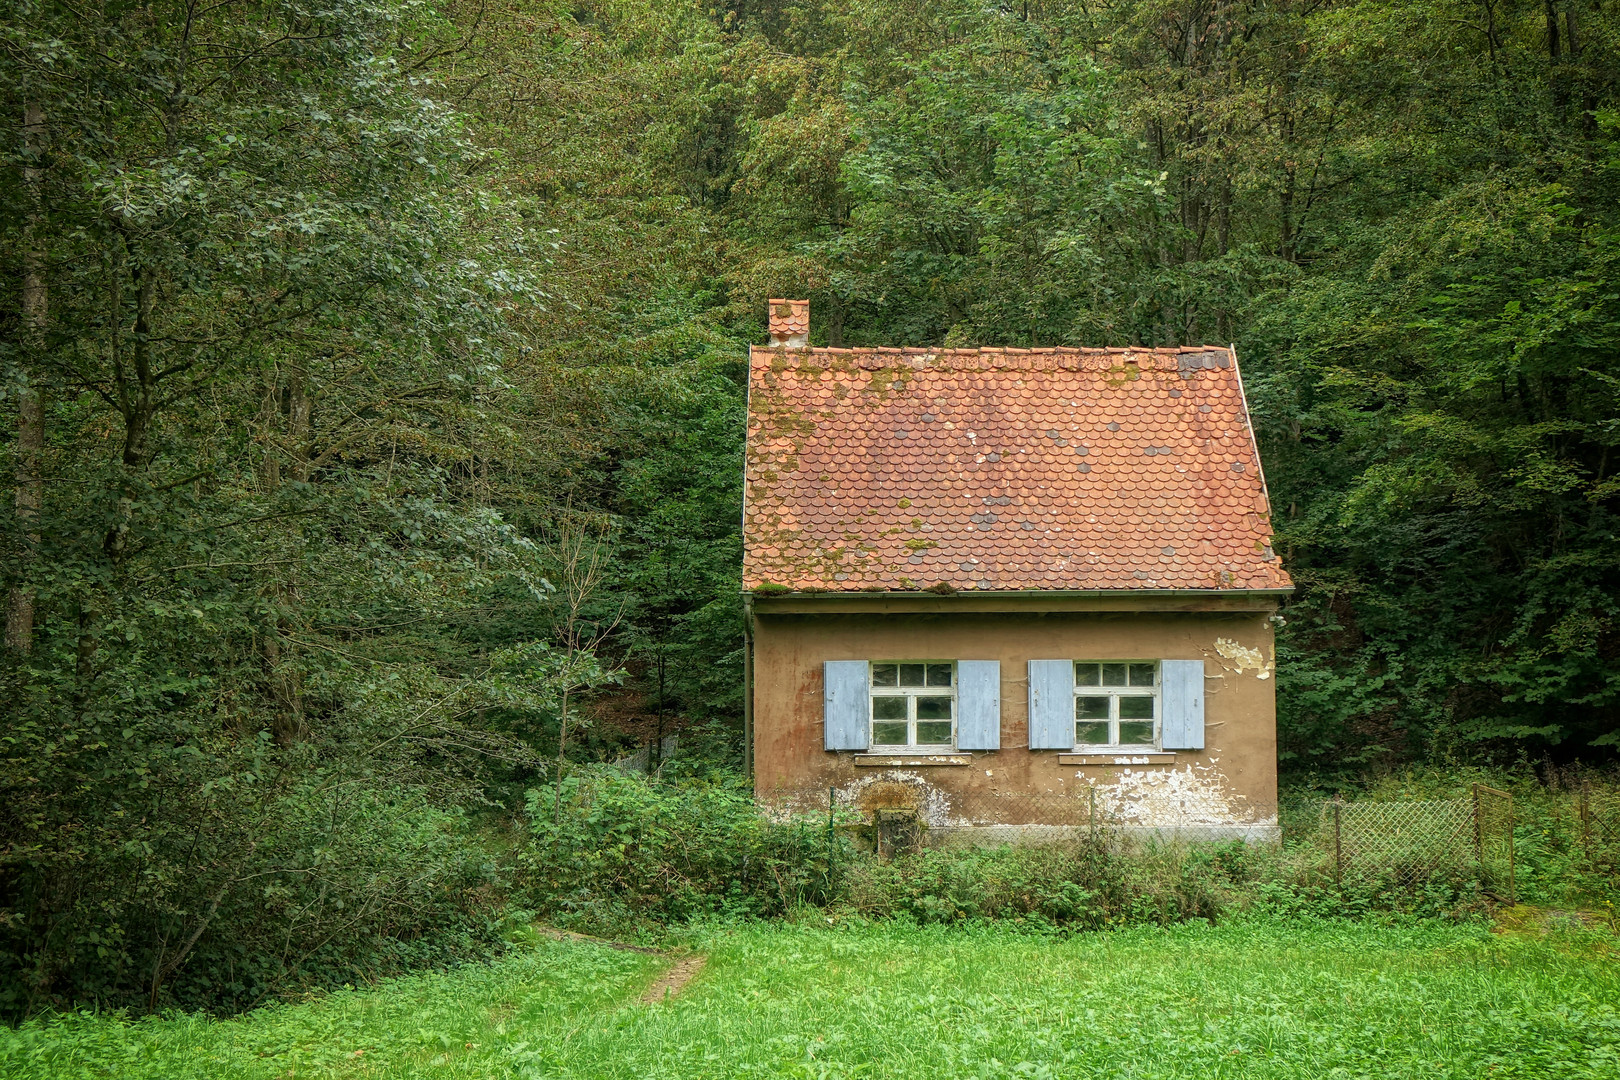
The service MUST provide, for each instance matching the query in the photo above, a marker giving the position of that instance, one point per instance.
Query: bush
(1090, 884)
(629, 854)
(622, 853)
(333, 885)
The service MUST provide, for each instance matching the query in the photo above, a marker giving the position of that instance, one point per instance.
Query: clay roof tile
(1130, 474)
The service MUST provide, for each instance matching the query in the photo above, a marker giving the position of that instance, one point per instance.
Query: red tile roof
(1003, 469)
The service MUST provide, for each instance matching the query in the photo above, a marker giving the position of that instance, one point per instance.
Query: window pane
(885, 675)
(1091, 708)
(933, 708)
(1135, 733)
(934, 733)
(889, 734)
(1114, 674)
(939, 674)
(1142, 674)
(911, 674)
(888, 708)
(1086, 675)
(1136, 708)
(1091, 734)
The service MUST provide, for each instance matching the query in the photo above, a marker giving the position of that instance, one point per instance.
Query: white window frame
(911, 693)
(1114, 693)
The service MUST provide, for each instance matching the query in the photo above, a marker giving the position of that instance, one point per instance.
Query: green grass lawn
(1250, 1000)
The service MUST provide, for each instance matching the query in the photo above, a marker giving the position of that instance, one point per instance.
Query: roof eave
(846, 594)
(1028, 601)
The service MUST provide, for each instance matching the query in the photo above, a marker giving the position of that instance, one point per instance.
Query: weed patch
(1254, 998)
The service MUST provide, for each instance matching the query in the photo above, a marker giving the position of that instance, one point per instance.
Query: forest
(373, 375)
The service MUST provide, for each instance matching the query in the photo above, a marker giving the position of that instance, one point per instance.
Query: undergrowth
(1257, 997)
(626, 855)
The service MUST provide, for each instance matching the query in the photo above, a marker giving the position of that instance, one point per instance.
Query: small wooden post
(748, 692)
(1479, 847)
(1513, 890)
(832, 846)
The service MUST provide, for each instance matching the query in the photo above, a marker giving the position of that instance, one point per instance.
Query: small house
(1009, 591)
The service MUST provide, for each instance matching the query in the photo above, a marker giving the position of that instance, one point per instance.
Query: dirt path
(673, 981)
(669, 984)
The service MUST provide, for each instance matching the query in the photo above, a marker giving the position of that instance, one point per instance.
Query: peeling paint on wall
(1171, 798)
(892, 790)
(1244, 658)
(1159, 798)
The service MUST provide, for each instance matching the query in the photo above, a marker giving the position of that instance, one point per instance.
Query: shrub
(626, 853)
(336, 885)
(623, 852)
(1089, 884)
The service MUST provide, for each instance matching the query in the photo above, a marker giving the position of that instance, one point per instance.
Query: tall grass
(1255, 998)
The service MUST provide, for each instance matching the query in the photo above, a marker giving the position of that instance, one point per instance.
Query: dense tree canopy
(343, 345)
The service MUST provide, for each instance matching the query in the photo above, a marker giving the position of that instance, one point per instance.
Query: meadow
(1250, 998)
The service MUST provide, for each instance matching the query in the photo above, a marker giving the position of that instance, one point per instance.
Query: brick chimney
(790, 323)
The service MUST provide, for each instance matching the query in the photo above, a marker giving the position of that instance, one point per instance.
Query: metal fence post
(1586, 824)
(1338, 843)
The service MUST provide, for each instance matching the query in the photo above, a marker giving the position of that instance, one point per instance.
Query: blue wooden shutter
(846, 704)
(978, 705)
(1181, 682)
(1051, 704)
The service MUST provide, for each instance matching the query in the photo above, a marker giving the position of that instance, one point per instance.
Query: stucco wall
(1232, 782)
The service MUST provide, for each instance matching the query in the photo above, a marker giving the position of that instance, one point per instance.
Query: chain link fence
(1598, 817)
(1414, 839)
(1408, 841)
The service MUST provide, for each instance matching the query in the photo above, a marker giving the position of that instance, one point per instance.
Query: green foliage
(1440, 399)
(622, 853)
(320, 326)
(310, 883)
(1402, 214)
(990, 194)
(237, 745)
(1266, 997)
(678, 488)
(625, 854)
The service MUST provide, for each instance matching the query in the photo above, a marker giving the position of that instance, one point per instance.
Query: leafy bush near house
(626, 854)
(1087, 885)
(1095, 885)
(614, 852)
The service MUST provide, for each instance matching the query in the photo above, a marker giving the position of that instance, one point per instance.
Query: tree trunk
(30, 492)
(835, 324)
(1558, 76)
(298, 409)
(288, 725)
(562, 745)
(270, 465)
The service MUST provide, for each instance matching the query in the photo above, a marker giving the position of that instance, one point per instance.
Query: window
(1116, 704)
(914, 704)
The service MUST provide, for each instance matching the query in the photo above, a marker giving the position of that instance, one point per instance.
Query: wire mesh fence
(1414, 839)
(1407, 841)
(1598, 815)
